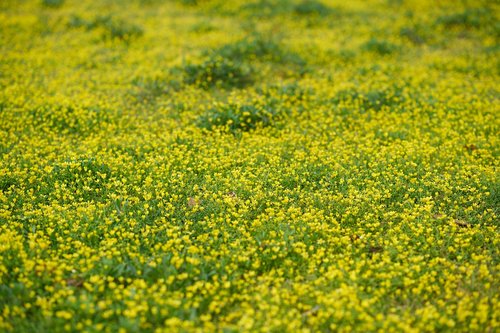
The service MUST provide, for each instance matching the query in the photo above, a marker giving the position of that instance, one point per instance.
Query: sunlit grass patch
(65, 120)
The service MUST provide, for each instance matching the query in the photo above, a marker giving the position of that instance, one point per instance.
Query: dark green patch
(381, 47)
(374, 99)
(259, 48)
(190, 2)
(470, 18)
(311, 7)
(413, 35)
(238, 117)
(234, 65)
(7, 181)
(203, 27)
(147, 89)
(218, 72)
(52, 3)
(266, 8)
(250, 48)
(114, 28)
(493, 200)
(291, 94)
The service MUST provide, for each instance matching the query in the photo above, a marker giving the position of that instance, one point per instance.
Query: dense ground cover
(249, 166)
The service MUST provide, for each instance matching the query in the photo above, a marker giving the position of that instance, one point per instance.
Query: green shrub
(266, 8)
(381, 47)
(269, 8)
(374, 99)
(233, 65)
(113, 28)
(239, 117)
(190, 2)
(469, 18)
(412, 35)
(311, 7)
(218, 72)
(52, 3)
(147, 89)
(259, 48)
(288, 93)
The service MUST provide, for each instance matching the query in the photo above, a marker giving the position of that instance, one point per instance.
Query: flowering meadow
(249, 166)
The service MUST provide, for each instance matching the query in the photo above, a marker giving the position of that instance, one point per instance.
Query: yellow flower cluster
(263, 166)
